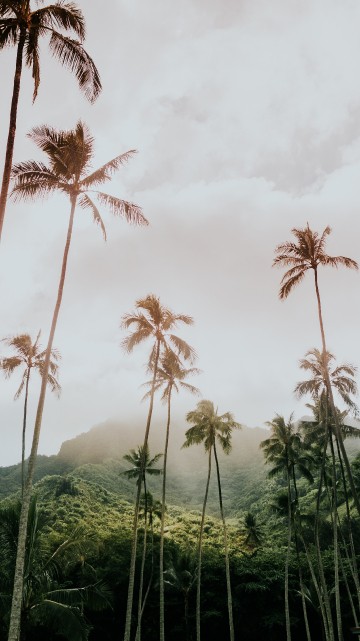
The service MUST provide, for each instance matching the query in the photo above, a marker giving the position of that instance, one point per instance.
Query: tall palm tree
(151, 321)
(24, 27)
(138, 471)
(30, 356)
(170, 377)
(341, 378)
(284, 450)
(308, 252)
(69, 154)
(209, 428)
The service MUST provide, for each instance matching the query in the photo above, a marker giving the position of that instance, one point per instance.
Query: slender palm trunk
(151, 572)
(130, 596)
(333, 505)
(15, 614)
(142, 569)
(163, 504)
(23, 432)
(287, 563)
(332, 404)
(301, 582)
(353, 562)
(198, 583)
(12, 127)
(323, 584)
(227, 565)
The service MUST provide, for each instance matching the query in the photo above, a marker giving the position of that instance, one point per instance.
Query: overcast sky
(246, 118)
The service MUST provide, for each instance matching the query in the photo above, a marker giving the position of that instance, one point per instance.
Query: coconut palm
(341, 378)
(170, 377)
(284, 450)
(308, 252)
(316, 363)
(151, 321)
(253, 531)
(69, 154)
(29, 356)
(209, 428)
(142, 465)
(24, 27)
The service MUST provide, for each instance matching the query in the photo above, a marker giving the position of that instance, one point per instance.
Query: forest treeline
(78, 561)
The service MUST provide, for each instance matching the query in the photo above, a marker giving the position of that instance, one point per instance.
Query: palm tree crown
(307, 253)
(141, 464)
(209, 427)
(19, 24)
(30, 356)
(153, 320)
(171, 376)
(316, 363)
(70, 154)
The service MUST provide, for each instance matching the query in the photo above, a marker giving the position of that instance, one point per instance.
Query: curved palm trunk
(130, 596)
(15, 615)
(227, 565)
(198, 584)
(332, 404)
(12, 128)
(23, 432)
(163, 503)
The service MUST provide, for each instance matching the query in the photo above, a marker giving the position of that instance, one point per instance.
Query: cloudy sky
(246, 119)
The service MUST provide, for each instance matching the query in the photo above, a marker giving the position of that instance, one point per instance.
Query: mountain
(97, 456)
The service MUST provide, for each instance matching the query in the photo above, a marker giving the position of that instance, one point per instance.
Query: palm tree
(253, 531)
(69, 154)
(30, 356)
(309, 253)
(170, 376)
(284, 450)
(138, 471)
(208, 427)
(24, 28)
(151, 321)
(316, 363)
(341, 378)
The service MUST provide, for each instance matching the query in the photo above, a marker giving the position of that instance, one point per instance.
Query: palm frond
(132, 213)
(8, 32)
(104, 173)
(9, 364)
(86, 203)
(63, 15)
(183, 348)
(72, 55)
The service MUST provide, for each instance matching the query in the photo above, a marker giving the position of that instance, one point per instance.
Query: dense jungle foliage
(80, 536)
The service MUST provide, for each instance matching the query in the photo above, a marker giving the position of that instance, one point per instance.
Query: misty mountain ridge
(97, 457)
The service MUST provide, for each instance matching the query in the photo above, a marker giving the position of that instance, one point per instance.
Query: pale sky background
(246, 118)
